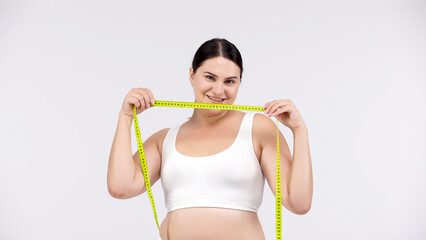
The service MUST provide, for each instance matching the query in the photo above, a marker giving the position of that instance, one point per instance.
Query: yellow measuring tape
(207, 106)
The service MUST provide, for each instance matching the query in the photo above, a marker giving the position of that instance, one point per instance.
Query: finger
(267, 106)
(140, 91)
(273, 107)
(135, 101)
(141, 100)
(146, 99)
(145, 95)
(280, 110)
(151, 96)
(141, 97)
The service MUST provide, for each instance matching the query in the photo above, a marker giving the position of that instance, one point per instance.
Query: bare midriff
(209, 223)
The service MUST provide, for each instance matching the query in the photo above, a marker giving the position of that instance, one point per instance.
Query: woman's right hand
(142, 98)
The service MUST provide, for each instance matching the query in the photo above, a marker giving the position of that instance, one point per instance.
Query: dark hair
(214, 48)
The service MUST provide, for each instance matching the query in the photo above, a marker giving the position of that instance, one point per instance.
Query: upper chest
(200, 142)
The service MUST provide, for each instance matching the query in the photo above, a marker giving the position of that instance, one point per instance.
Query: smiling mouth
(216, 99)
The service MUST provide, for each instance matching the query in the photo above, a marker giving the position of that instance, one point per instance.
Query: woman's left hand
(285, 111)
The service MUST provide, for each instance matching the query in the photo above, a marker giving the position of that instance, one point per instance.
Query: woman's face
(216, 81)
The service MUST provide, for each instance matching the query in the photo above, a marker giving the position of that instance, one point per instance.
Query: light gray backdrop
(354, 69)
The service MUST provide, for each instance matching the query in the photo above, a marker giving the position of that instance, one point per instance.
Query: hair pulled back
(217, 47)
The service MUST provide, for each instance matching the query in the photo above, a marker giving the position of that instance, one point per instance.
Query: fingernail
(152, 101)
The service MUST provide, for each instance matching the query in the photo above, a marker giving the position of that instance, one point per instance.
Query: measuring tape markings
(206, 106)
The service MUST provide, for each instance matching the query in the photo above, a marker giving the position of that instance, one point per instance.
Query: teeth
(216, 99)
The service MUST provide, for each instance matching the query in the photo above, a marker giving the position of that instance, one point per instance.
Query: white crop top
(232, 178)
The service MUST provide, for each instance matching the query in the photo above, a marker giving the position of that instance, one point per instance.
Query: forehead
(220, 66)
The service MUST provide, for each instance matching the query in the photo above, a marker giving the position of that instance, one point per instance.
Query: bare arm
(125, 177)
(121, 167)
(296, 171)
(300, 183)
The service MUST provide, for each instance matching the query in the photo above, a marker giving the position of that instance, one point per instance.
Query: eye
(229, 81)
(209, 77)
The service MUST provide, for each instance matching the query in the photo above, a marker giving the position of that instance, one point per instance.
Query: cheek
(232, 91)
(200, 87)
(204, 85)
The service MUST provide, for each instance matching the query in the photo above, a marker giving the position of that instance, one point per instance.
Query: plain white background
(354, 69)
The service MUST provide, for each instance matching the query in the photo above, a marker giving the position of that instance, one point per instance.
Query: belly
(211, 224)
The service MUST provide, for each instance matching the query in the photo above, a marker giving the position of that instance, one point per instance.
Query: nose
(218, 89)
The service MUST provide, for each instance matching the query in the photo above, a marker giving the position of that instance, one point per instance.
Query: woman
(213, 166)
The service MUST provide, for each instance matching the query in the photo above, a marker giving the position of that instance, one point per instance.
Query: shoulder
(161, 134)
(158, 137)
(264, 130)
(263, 123)
(263, 133)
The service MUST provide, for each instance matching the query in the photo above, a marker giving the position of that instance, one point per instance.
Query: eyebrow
(232, 77)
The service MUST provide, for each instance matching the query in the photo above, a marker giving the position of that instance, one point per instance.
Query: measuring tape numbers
(207, 106)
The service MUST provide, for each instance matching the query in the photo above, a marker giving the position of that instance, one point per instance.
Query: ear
(191, 76)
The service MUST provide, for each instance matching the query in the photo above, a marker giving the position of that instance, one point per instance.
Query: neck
(202, 118)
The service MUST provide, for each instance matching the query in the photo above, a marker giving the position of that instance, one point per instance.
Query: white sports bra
(232, 178)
